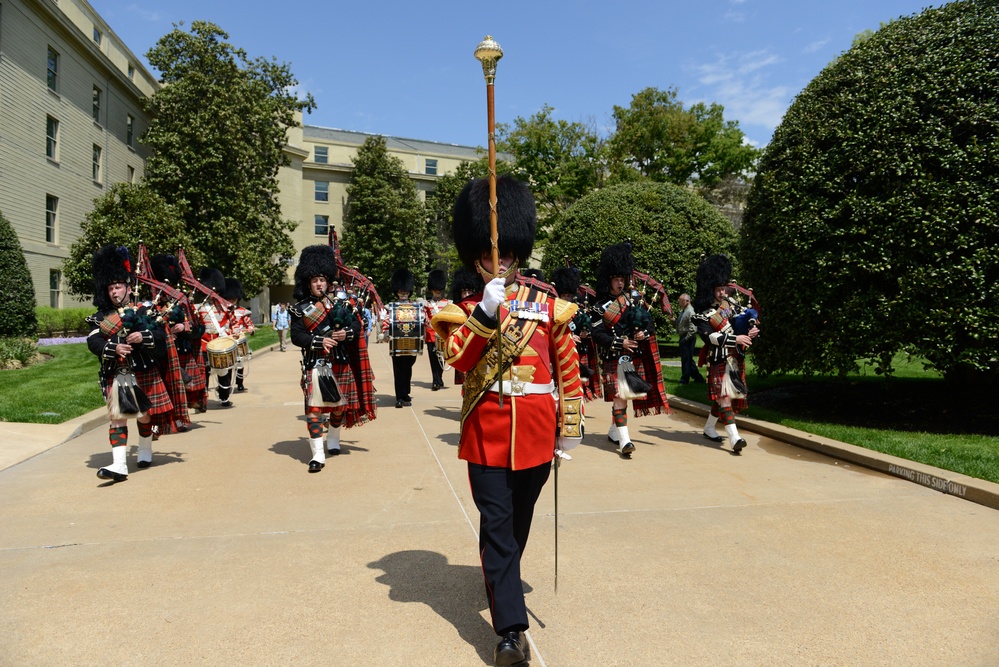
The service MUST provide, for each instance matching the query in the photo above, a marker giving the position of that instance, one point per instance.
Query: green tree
(440, 210)
(872, 224)
(217, 134)
(657, 138)
(123, 216)
(17, 293)
(561, 161)
(670, 226)
(384, 227)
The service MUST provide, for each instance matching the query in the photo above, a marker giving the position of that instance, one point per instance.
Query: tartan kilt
(716, 373)
(348, 390)
(610, 376)
(152, 385)
(195, 368)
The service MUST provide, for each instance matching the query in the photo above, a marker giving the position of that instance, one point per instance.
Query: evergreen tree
(17, 293)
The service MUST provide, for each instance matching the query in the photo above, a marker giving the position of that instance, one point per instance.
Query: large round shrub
(873, 222)
(17, 293)
(671, 227)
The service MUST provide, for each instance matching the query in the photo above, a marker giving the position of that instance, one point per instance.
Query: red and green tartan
(716, 373)
(365, 378)
(587, 351)
(152, 385)
(174, 380)
(656, 402)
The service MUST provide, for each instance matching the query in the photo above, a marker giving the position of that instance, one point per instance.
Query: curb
(976, 490)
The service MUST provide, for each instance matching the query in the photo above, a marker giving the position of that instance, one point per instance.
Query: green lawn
(968, 454)
(65, 386)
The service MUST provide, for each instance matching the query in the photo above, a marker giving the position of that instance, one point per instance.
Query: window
(98, 94)
(97, 36)
(322, 154)
(322, 191)
(97, 163)
(431, 167)
(322, 225)
(129, 130)
(131, 174)
(53, 67)
(55, 287)
(51, 218)
(131, 71)
(51, 138)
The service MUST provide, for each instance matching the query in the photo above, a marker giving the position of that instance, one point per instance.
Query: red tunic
(521, 434)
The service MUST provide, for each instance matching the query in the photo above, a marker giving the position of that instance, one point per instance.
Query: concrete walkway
(228, 552)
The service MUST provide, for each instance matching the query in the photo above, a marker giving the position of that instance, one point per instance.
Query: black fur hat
(111, 264)
(437, 280)
(713, 271)
(165, 269)
(212, 279)
(233, 290)
(566, 280)
(537, 274)
(464, 280)
(315, 260)
(403, 280)
(615, 260)
(516, 220)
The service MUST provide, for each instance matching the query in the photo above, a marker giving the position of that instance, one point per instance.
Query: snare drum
(406, 324)
(242, 351)
(222, 354)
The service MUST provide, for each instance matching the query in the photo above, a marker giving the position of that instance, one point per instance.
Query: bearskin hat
(537, 274)
(437, 280)
(713, 271)
(464, 280)
(566, 281)
(403, 280)
(233, 290)
(212, 279)
(315, 260)
(516, 220)
(165, 269)
(615, 260)
(111, 264)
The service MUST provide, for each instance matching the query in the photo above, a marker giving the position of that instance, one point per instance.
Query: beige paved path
(227, 552)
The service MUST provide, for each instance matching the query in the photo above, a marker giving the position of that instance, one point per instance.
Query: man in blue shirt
(282, 320)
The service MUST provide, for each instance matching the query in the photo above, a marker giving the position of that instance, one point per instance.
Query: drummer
(242, 325)
(403, 282)
(436, 282)
(336, 378)
(216, 320)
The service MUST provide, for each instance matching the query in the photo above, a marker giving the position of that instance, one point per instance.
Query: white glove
(564, 444)
(493, 295)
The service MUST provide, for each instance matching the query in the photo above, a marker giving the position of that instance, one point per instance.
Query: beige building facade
(70, 116)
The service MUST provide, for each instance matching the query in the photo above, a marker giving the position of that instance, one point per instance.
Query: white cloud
(739, 82)
(815, 46)
(145, 14)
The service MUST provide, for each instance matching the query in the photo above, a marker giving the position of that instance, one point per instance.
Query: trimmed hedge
(55, 321)
(17, 293)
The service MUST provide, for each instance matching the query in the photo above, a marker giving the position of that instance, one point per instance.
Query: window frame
(52, 138)
(98, 170)
(427, 166)
(98, 36)
(322, 191)
(55, 288)
(130, 130)
(325, 222)
(52, 69)
(51, 219)
(97, 104)
(325, 155)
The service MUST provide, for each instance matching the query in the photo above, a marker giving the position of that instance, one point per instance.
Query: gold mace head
(488, 52)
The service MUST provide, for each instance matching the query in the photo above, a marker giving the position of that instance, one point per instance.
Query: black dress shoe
(398, 404)
(104, 473)
(712, 438)
(407, 403)
(144, 464)
(628, 448)
(435, 387)
(333, 452)
(510, 649)
(240, 389)
(316, 466)
(739, 445)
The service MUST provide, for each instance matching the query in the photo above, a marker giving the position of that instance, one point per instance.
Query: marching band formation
(527, 355)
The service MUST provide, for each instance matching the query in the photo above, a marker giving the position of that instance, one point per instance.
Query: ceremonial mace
(488, 52)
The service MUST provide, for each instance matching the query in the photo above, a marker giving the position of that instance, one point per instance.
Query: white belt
(517, 388)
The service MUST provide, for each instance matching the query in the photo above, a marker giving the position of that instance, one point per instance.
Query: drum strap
(215, 322)
(515, 334)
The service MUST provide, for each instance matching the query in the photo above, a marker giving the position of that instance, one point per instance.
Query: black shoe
(225, 404)
(316, 466)
(712, 438)
(240, 389)
(510, 649)
(333, 452)
(698, 380)
(626, 449)
(104, 473)
(144, 464)
(398, 404)
(683, 382)
(436, 387)
(739, 445)
(407, 403)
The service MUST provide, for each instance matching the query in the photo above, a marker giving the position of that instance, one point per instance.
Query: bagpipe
(179, 306)
(187, 275)
(651, 291)
(745, 318)
(352, 277)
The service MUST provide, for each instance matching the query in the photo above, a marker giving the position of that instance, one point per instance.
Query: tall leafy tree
(217, 131)
(657, 138)
(561, 160)
(872, 224)
(385, 227)
(123, 216)
(17, 293)
(440, 209)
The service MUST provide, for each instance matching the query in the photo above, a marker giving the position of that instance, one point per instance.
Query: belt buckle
(516, 387)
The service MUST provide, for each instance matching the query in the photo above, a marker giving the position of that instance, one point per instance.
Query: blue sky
(406, 68)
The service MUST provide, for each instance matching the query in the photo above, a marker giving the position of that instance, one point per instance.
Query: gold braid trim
(450, 314)
(564, 311)
(515, 337)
